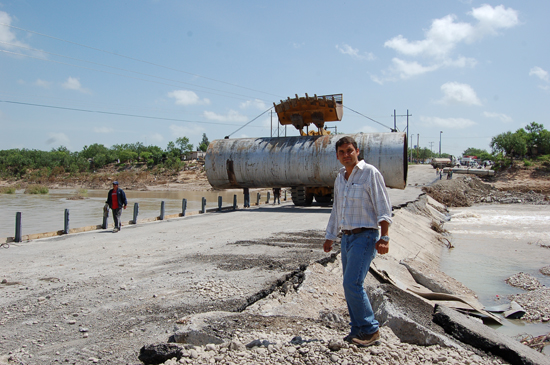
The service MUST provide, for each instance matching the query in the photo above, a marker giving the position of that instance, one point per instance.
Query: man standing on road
(116, 199)
(361, 204)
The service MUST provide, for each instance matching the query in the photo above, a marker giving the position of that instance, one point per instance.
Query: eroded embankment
(303, 319)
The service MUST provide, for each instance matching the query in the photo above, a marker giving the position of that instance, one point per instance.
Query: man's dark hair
(345, 140)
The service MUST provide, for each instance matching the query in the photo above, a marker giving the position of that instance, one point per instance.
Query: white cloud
(6, 34)
(60, 139)
(73, 83)
(448, 123)
(185, 131)
(503, 117)
(491, 19)
(367, 129)
(407, 69)
(456, 93)
(445, 33)
(354, 52)
(43, 83)
(298, 45)
(187, 97)
(155, 137)
(256, 104)
(105, 130)
(442, 38)
(540, 73)
(231, 116)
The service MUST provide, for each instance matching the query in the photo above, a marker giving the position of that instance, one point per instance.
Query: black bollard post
(268, 196)
(183, 207)
(219, 203)
(18, 231)
(285, 195)
(136, 211)
(258, 199)
(234, 201)
(203, 208)
(66, 222)
(161, 210)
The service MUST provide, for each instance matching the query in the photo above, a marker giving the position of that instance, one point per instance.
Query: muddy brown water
(45, 213)
(494, 242)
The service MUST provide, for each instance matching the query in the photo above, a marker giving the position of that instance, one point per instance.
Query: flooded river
(45, 213)
(494, 242)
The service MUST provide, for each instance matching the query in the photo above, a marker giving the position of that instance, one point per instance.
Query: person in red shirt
(116, 199)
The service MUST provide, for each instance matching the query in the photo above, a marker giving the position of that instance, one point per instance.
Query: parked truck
(306, 163)
(441, 162)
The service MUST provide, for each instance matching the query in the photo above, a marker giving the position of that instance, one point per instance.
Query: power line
(128, 76)
(229, 135)
(104, 65)
(136, 59)
(390, 128)
(123, 114)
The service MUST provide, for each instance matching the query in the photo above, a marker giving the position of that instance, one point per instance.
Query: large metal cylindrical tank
(300, 161)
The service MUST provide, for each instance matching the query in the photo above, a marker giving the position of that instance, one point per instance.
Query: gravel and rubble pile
(319, 345)
(536, 301)
(545, 270)
(536, 304)
(464, 191)
(524, 281)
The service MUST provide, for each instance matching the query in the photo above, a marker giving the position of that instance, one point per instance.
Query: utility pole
(395, 120)
(411, 148)
(432, 147)
(417, 146)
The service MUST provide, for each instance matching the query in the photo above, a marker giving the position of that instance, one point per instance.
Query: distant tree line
(17, 162)
(533, 142)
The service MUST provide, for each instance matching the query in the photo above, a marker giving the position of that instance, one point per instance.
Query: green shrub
(37, 189)
(7, 190)
(527, 163)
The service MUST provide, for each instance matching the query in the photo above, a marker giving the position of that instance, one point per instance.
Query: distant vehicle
(441, 162)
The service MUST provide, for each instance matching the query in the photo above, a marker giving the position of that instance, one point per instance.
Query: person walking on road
(276, 196)
(246, 193)
(116, 199)
(361, 205)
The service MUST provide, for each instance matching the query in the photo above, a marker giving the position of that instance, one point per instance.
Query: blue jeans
(358, 251)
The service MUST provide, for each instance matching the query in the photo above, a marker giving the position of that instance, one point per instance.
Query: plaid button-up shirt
(360, 201)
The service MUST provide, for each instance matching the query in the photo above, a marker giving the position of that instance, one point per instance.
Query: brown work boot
(349, 338)
(364, 340)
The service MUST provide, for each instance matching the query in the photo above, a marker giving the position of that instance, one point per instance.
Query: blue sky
(153, 71)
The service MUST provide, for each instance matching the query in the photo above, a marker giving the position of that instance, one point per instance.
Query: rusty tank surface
(307, 164)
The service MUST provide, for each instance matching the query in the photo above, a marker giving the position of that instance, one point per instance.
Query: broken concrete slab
(192, 329)
(408, 317)
(485, 338)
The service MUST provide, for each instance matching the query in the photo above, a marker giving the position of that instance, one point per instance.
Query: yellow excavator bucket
(303, 111)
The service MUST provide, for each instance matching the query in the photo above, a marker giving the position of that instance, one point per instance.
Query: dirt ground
(522, 179)
(510, 186)
(191, 178)
(76, 312)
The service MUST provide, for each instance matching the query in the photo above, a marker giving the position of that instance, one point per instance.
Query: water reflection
(44, 213)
